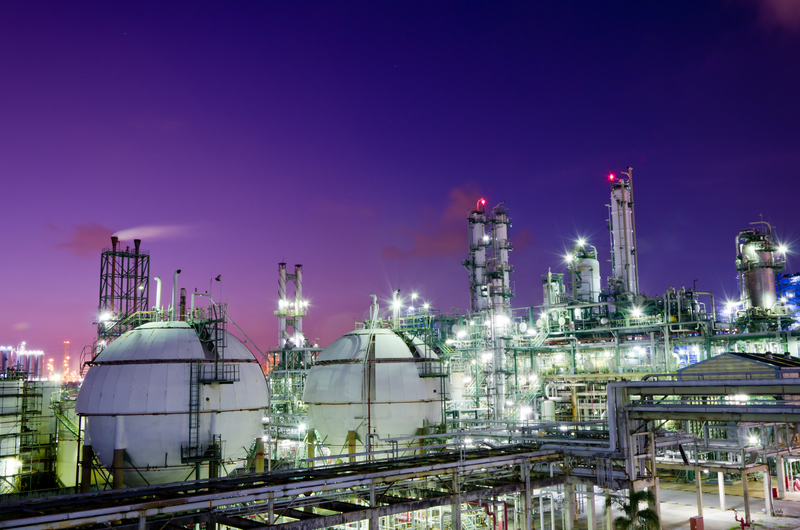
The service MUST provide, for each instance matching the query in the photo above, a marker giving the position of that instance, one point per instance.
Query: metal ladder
(195, 369)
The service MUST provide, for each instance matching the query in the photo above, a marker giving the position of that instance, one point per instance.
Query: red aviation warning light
(610, 176)
(480, 205)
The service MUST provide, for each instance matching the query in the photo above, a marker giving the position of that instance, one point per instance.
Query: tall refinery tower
(624, 261)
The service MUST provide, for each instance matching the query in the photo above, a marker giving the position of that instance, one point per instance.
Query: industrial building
(503, 415)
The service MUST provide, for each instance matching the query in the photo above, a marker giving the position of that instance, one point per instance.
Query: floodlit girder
(714, 467)
(738, 413)
(715, 387)
(255, 490)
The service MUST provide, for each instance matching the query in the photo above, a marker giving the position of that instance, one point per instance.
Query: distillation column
(500, 293)
(299, 304)
(756, 265)
(623, 234)
(476, 262)
(290, 313)
(282, 303)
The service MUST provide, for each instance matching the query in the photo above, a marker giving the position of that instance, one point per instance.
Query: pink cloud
(781, 13)
(446, 242)
(87, 239)
(446, 235)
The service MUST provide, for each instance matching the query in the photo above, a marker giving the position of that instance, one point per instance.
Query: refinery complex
(503, 416)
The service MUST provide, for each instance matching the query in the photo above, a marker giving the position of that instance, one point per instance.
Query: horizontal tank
(137, 395)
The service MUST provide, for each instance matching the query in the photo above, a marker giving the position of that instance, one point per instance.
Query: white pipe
(373, 317)
(158, 292)
(174, 292)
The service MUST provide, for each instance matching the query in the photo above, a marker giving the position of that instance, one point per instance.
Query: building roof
(765, 360)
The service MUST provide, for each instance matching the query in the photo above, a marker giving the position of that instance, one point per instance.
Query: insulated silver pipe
(174, 293)
(158, 292)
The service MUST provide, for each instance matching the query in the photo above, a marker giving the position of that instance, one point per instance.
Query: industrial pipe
(174, 293)
(158, 293)
(373, 317)
(713, 307)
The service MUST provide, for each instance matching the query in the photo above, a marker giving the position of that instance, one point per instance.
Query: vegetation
(634, 518)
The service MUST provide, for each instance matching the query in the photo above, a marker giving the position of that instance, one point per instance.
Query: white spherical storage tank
(137, 396)
(369, 381)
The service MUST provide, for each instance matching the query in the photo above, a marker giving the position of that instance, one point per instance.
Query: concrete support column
(528, 513)
(746, 495)
(698, 482)
(271, 509)
(456, 510)
(351, 445)
(569, 506)
(374, 520)
(656, 504)
(86, 468)
(591, 520)
(118, 464)
(781, 469)
(721, 483)
(311, 450)
(259, 456)
(767, 492)
(142, 521)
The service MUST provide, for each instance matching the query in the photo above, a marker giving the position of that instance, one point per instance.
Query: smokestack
(174, 292)
(136, 280)
(114, 240)
(183, 303)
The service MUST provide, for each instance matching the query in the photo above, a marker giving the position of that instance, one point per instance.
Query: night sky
(352, 137)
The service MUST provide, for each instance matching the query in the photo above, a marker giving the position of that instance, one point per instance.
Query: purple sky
(352, 137)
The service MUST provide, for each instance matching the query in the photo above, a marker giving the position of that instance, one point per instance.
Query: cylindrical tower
(756, 264)
(479, 240)
(584, 270)
(299, 305)
(623, 233)
(282, 303)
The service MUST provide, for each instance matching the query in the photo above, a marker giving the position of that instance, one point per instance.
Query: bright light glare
(103, 318)
(783, 249)
(426, 306)
(461, 334)
(563, 427)
(302, 427)
(637, 312)
(568, 258)
(581, 242)
(414, 296)
(486, 357)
